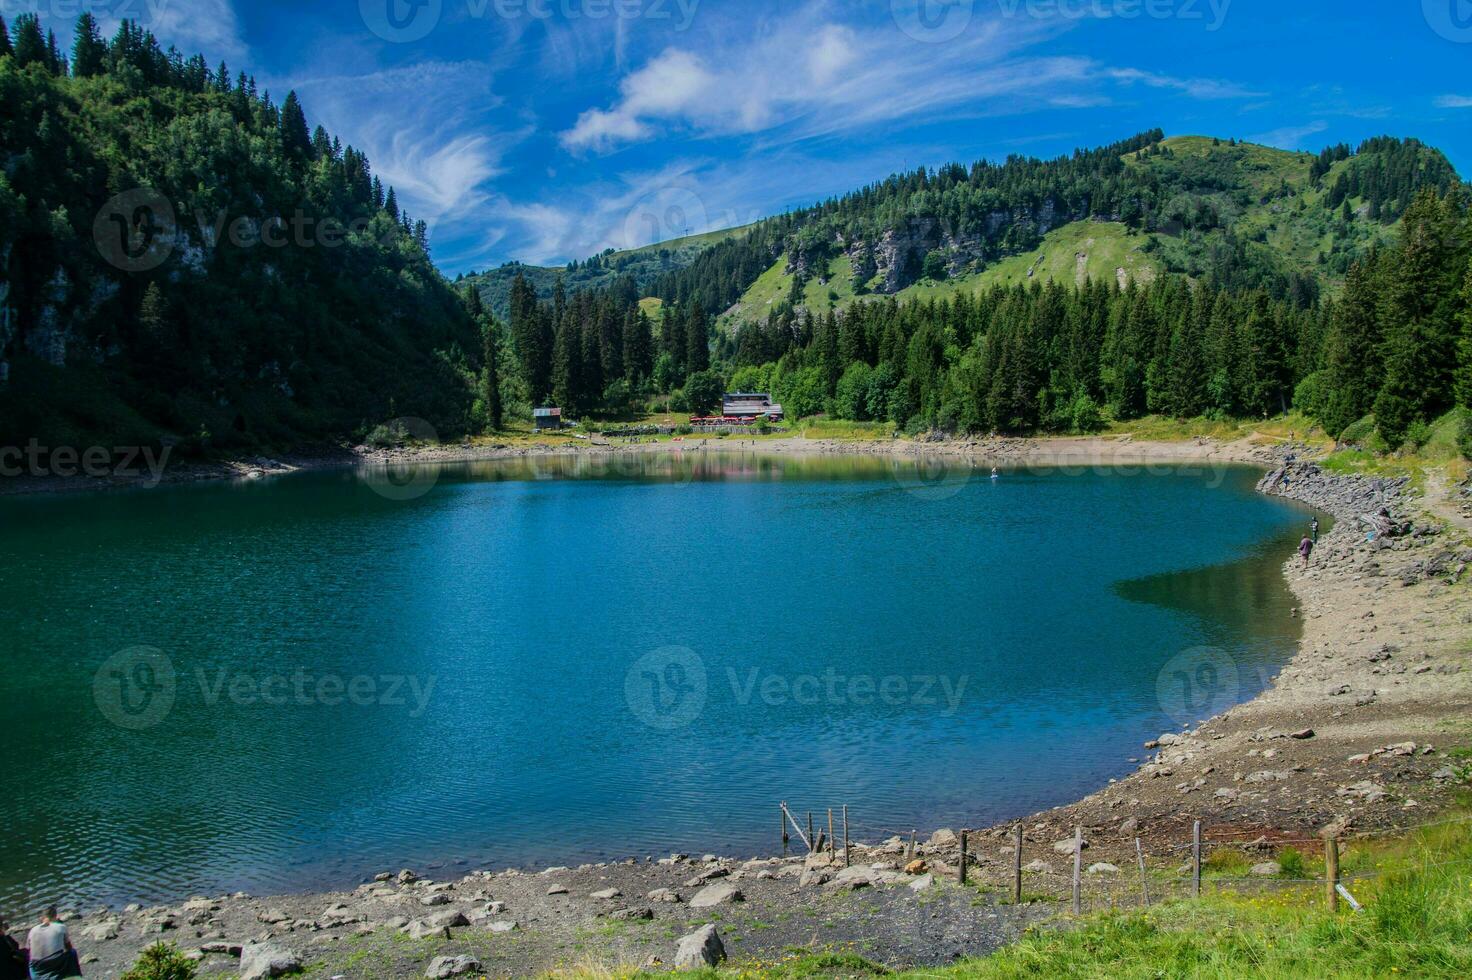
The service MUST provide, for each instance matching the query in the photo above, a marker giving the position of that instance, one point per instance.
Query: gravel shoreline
(1380, 679)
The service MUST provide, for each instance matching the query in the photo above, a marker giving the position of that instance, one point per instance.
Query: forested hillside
(1226, 328)
(255, 285)
(641, 265)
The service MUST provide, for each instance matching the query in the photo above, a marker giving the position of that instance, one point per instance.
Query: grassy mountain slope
(1267, 205)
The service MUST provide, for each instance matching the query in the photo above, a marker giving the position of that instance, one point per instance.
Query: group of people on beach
(47, 955)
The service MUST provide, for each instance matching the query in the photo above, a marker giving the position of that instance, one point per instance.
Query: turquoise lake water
(299, 682)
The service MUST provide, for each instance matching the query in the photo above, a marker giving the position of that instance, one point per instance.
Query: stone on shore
(101, 932)
(442, 967)
(1066, 846)
(701, 948)
(713, 895)
(663, 895)
(606, 894)
(261, 960)
(1267, 869)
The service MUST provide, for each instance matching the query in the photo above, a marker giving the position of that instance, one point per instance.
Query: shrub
(388, 435)
(1290, 859)
(161, 961)
(1464, 435)
(1084, 414)
(1417, 434)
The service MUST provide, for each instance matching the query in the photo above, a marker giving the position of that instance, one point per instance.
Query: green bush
(1290, 859)
(1417, 434)
(161, 961)
(1464, 435)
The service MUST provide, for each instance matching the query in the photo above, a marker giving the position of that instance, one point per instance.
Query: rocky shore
(1353, 735)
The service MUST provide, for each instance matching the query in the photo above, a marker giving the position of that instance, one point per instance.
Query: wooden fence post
(1144, 881)
(832, 841)
(910, 851)
(961, 874)
(1196, 859)
(1017, 865)
(1331, 871)
(845, 836)
(1078, 868)
(782, 811)
(812, 841)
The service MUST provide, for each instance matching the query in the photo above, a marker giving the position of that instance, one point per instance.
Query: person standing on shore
(1314, 530)
(12, 960)
(52, 956)
(1305, 548)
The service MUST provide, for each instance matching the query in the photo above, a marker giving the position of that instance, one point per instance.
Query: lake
(296, 682)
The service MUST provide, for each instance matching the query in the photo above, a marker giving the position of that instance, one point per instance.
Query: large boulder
(101, 932)
(701, 948)
(442, 967)
(717, 894)
(261, 960)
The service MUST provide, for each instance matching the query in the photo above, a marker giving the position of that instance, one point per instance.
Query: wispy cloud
(1290, 137)
(1196, 88)
(435, 148)
(1454, 102)
(813, 74)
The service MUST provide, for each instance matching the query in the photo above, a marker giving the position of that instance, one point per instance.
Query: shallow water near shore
(288, 684)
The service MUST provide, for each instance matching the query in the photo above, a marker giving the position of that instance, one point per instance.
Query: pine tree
(30, 42)
(89, 54)
(1420, 345)
(565, 351)
(1463, 385)
(491, 374)
(295, 139)
(697, 339)
(638, 347)
(1352, 352)
(391, 204)
(5, 45)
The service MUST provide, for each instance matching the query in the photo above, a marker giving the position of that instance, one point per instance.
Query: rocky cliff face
(897, 256)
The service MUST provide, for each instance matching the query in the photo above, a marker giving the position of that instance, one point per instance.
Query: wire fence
(1213, 861)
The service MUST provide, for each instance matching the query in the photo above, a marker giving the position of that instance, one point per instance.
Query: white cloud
(1289, 137)
(1454, 102)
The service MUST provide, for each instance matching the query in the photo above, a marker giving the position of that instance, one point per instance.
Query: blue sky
(548, 130)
